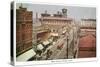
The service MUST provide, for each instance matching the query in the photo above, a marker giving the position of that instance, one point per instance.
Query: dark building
(23, 30)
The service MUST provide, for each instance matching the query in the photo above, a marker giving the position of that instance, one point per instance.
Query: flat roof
(56, 18)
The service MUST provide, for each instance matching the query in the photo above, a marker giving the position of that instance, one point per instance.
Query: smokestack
(21, 5)
(36, 17)
(45, 11)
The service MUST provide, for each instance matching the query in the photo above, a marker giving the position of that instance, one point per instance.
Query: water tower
(64, 12)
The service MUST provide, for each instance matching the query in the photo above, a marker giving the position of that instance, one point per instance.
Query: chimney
(45, 14)
(21, 6)
(36, 17)
(45, 11)
(58, 12)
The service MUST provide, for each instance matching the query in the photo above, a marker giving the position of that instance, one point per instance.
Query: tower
(64, 12)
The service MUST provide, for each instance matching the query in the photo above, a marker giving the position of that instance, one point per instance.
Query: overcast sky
(73, 11)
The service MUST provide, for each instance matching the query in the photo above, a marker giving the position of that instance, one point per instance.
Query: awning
(50, 40)
(54, 34)
(46, 42)
(39, 47)
(27, 55)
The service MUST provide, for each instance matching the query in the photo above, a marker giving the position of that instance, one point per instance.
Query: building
(88, 23)
(87, 42)
(57, 34)
(56, 22)
(87, 26)
(23, 30)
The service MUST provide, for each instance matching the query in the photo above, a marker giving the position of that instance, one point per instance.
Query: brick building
(23, 30)
(57, 22)
(87, 42)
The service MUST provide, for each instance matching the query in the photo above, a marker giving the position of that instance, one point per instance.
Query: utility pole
(67, 45)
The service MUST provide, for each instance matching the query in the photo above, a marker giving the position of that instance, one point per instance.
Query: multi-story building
(88, 26)
(56, 22)
(88, 23)
(87, 42)
(23, 30)
(64, 34)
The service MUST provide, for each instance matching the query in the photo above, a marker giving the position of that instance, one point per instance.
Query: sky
(75, 12)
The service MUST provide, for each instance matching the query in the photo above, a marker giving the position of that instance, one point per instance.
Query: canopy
(39, 47)
(46, 42)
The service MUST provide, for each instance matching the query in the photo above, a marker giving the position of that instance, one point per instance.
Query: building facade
(23, 30)
(57, 35)
(57, 22)
(87, 42)
(88, 23)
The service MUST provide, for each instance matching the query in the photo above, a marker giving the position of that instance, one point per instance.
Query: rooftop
(88, 19)
(56, 18)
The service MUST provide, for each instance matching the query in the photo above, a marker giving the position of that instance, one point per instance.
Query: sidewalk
(25, 56)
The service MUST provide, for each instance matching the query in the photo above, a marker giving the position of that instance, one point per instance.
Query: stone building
(23, 30)
(56, 22)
